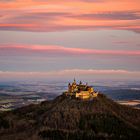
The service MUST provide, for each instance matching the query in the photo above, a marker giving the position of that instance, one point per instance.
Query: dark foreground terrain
(71, 119)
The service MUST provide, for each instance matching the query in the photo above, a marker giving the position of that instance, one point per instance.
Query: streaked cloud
(44, 42)
(42, 16)
(111, 15)
(69, 73)
(20, 49)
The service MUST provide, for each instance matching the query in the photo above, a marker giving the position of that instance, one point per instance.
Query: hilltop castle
(80, 91)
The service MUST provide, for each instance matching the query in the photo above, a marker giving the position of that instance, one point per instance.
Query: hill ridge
(69, 118)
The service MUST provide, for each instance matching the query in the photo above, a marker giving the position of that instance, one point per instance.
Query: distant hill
(70, 119)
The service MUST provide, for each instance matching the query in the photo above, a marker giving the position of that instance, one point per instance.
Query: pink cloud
(59, 50)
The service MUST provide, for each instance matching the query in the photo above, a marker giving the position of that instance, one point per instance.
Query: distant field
(21, 94)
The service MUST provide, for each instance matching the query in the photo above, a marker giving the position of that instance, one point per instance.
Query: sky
(63, 39)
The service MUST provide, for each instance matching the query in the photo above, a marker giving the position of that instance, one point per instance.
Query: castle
(81, 91)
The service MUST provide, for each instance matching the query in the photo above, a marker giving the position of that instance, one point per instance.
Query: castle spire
(74, 81)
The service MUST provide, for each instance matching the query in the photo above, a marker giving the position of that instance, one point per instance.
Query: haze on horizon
(87, 39)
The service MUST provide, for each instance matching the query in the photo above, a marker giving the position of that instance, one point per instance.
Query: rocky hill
(65, 118)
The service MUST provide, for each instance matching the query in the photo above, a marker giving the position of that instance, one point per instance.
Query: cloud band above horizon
(89, 74)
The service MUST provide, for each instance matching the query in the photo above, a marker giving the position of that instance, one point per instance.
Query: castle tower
(74, 81)
(69, 87)
(74, 86)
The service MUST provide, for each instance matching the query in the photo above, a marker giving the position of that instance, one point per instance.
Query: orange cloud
(54, 15)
